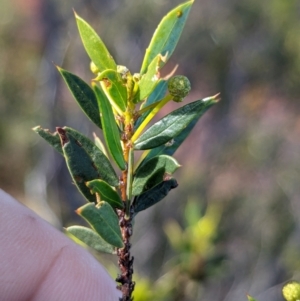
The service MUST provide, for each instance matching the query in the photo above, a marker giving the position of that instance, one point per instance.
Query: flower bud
(291, 291)
(123, 70)
(136, 77)
(94, 68)
(179, 87)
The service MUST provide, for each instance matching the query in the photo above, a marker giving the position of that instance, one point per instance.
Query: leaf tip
(78, 211)
(36, 128)
(59, 69)
(217, 97)
(75, 14)
(174, 184)
(168, 76)
(88, 184)
(63, 135)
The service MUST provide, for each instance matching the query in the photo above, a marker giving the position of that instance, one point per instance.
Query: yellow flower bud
(94, 68)
(291, 291)
(123, 70)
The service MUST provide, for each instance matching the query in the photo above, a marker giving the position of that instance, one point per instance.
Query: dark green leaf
(83, 94)
(173, 124)
(158, 93)
(90, 238)
(114, 88)
(154, 195)
(170, 147)
(152, 173)
(110, 129)
(99, 144)
(80, 164)
(100, 161)
(52, 139)
(167, 34)
(104, 221)
(150, 79)
(106, 192)
(94, 46)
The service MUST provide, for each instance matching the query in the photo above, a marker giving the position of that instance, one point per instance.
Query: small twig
(125, 259)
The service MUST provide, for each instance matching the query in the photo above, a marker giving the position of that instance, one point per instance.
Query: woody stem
(125, 215)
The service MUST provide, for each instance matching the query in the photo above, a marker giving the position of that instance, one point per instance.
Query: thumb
(39, 263)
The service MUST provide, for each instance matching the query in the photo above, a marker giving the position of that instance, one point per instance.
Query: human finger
(39, 263)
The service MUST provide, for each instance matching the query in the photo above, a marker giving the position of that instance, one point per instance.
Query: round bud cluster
(179, 87)
(291, 291)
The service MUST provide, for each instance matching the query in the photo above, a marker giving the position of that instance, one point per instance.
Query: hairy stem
(125, 259)
(125, 216)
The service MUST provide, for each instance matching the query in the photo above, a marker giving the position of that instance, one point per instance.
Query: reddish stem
(125, 259)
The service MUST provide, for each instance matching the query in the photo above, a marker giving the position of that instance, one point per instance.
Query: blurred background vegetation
(232, 226)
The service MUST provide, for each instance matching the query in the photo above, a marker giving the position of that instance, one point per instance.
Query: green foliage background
(243, 156)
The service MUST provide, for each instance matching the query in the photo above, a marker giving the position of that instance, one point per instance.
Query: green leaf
(150, 79)
(250, 298)
(106, 192)
(152, 173)
(167, 34)
(154, 195)
(99, 159)
(110, 129)
(173, 124)
(99, 144)
(83, 94)
(158, 93)
(90, 238)
(104, 221)
(170, 147)
(114, 88)
(80, 164)
(94, 46)
(52, 139)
